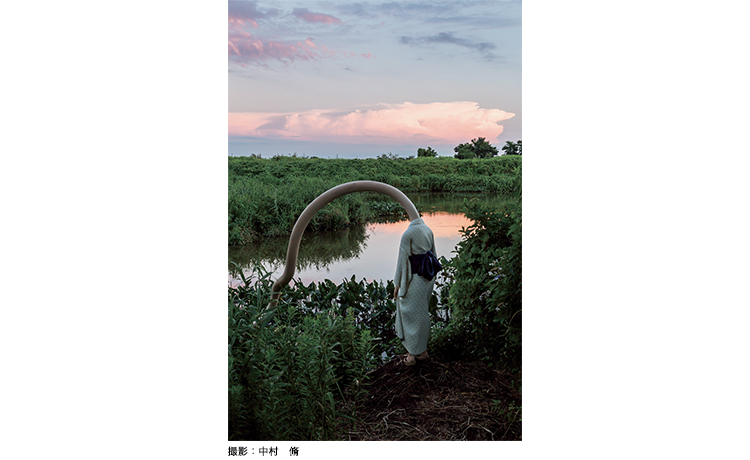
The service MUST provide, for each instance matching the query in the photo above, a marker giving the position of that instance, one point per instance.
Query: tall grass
(290, 367)
(296, 371)
(266, 196)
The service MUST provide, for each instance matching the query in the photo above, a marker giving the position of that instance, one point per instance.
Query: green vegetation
(288, 365)
(477, 148)
(483, 288)
(316, 250)
(428, 152)
(266, 196)
(512, 148)
(297, 371)
(485, 293)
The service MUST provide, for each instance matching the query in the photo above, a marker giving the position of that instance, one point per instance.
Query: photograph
(374, 221)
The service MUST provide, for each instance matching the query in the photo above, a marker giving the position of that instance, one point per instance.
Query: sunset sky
(353, 80)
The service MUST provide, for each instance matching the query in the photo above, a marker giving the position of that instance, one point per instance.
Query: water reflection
(316, 252)
(368, 251)
(452, 203)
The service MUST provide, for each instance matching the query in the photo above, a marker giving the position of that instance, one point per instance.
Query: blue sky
(362, 79)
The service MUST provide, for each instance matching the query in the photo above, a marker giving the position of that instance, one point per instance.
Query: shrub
(288, 367)
(483, 291)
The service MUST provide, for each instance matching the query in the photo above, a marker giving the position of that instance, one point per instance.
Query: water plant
(290, 366)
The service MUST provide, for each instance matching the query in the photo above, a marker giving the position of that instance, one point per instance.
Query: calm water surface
(366, 252)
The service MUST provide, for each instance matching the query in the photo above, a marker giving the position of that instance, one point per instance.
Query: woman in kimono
(414, 280)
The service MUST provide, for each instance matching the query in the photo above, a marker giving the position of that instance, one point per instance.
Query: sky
(358, 80)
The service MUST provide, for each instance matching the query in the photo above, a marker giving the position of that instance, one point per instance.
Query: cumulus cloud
(447, 122)
(309, 16)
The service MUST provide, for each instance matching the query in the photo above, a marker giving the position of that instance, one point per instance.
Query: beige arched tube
(315, 206)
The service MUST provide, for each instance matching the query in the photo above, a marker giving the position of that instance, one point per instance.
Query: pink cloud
(242, 13)
(245, 48)
(242, 22)
(447, 122)
(309, 16)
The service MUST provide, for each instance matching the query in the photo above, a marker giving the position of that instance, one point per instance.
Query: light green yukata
(412, 305)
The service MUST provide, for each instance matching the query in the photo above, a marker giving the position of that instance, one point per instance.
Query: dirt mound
(438, 401)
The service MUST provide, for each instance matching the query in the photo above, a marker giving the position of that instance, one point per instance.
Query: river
(365, 251)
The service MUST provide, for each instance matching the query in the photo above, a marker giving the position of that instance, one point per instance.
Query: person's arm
(402, 265)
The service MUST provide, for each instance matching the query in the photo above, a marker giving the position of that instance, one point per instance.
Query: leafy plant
(477, 148)
(428, 152)
(291, 366)
(512, 148)
(485, 294)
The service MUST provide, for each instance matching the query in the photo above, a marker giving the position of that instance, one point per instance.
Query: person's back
(413, 292)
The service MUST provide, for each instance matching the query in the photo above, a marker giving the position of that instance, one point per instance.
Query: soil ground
(436, 400)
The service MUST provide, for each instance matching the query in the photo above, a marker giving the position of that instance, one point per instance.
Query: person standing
(416, 268)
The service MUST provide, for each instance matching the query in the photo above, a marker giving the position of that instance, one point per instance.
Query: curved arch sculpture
(315, 206)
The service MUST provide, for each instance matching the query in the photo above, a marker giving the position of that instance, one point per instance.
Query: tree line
(477, 148)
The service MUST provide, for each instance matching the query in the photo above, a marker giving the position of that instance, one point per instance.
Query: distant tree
(426, 152)
(512, 148)
(391, 156)
(483, 149)
(477, 148)
(463, 152)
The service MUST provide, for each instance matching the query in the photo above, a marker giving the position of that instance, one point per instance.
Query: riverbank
(324, 365)
(267, 195)
(436, 401)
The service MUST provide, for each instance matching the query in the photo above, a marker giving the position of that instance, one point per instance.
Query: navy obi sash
(426, 265)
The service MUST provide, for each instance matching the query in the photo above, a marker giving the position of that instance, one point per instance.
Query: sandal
(409, 362)
(422, 356)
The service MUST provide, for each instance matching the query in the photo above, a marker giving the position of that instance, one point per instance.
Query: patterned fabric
(412, 305)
